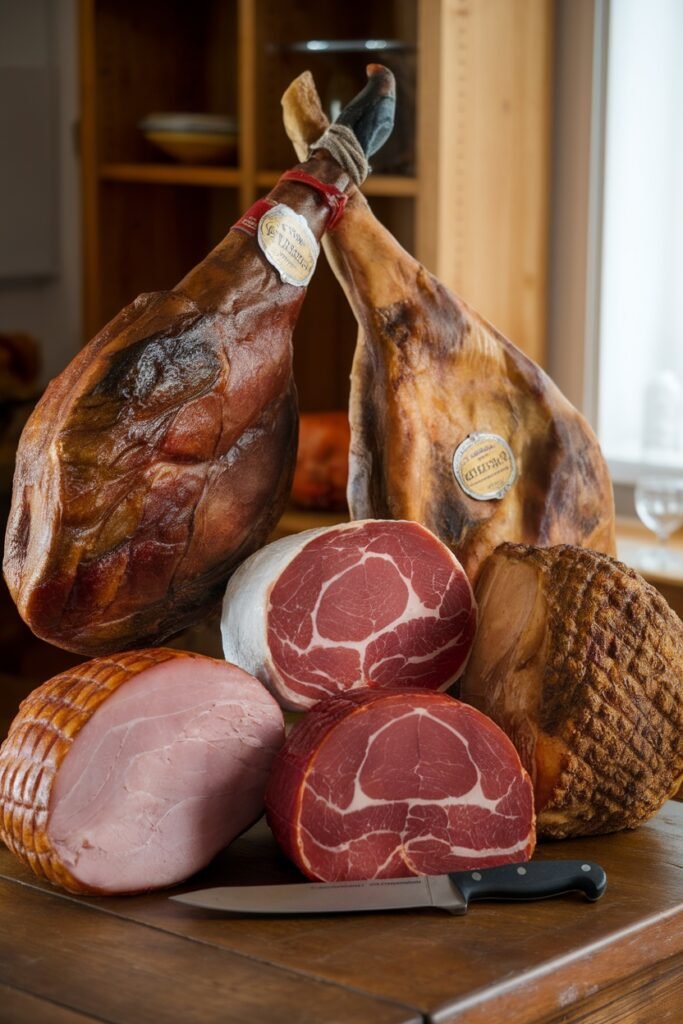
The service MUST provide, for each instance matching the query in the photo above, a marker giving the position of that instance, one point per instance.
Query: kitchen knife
(531, 880)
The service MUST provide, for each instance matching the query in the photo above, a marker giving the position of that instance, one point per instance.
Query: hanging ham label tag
(289, 244)
(484, 466)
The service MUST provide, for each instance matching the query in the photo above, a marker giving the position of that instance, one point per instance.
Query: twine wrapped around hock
(340, 142)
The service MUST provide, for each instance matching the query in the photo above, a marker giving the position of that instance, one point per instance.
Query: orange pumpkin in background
(322, 463)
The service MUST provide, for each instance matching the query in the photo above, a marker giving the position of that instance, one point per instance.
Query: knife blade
(531, 880)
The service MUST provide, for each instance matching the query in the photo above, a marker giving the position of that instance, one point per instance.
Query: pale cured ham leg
(428, 374)
(163, 455)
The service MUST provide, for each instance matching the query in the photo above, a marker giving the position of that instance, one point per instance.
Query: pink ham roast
(131, 772)
(366, 604)
(373, 785)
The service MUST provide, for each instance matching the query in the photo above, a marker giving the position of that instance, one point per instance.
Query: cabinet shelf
(171, 174)
(388, 185)
(462, 183)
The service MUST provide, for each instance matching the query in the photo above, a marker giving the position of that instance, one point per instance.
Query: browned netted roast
(580, 661)
(163, 455)
(451, 425)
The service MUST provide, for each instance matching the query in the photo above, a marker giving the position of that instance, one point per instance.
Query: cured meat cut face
(580, 661)
(430, 377)
(130, 774)
(163, 455)
(367, 604)
(386, 785)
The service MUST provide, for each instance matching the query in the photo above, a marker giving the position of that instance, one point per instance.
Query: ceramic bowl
(193, 138)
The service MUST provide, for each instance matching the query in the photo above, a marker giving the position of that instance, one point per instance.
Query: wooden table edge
(557, 985)
(36, 1003)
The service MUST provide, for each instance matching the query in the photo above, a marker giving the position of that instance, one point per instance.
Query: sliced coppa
(130, 773)
(366, 604)
(373, 785)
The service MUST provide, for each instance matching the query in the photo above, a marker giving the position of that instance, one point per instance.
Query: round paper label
(484, 466)
(288, 244)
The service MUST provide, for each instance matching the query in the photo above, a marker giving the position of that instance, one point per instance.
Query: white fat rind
(245, 608)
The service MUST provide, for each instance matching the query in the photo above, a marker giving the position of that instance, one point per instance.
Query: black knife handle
(532, 880)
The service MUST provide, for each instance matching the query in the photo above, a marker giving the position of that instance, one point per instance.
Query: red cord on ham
(370, 603)
(131, 773)
(385, 785)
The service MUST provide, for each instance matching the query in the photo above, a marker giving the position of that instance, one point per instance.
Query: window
(640, 337)
(616, 298)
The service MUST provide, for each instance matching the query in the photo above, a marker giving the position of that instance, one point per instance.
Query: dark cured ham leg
(429, 373)
(163, 455)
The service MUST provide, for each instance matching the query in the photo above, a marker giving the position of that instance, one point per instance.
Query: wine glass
(659, 504)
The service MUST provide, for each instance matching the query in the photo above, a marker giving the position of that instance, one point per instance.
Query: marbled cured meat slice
(374, 785)
(365, 604)
(130, 773)
(163, 454)
(430, 376)
(580, 661)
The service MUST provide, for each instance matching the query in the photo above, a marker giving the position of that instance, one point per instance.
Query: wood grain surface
(555, 961)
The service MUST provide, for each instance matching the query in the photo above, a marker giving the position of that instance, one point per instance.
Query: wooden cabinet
(463, 184)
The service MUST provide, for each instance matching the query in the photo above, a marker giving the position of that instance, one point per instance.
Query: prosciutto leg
(431, 379)
(163, 455)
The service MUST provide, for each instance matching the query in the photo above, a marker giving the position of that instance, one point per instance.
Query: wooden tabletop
(137, 960)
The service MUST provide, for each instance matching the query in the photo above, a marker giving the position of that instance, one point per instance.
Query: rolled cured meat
(580, 661)
(130, 773)
(382, 785)
(365, 604)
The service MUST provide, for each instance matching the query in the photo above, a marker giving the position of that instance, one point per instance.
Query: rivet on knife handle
(532, 880)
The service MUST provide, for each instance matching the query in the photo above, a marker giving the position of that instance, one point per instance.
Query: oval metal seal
(484, 466)
(288, 244)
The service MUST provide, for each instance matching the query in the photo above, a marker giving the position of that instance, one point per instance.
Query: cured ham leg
(163, 455)
(429, 374)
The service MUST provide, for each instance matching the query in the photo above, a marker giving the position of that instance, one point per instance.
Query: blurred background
(536, 168)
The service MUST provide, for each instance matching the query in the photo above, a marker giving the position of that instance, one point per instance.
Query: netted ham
(130, 773)
(374, 785)
(451, 424)
(580, 661)
(367, 604)
(163, 455)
